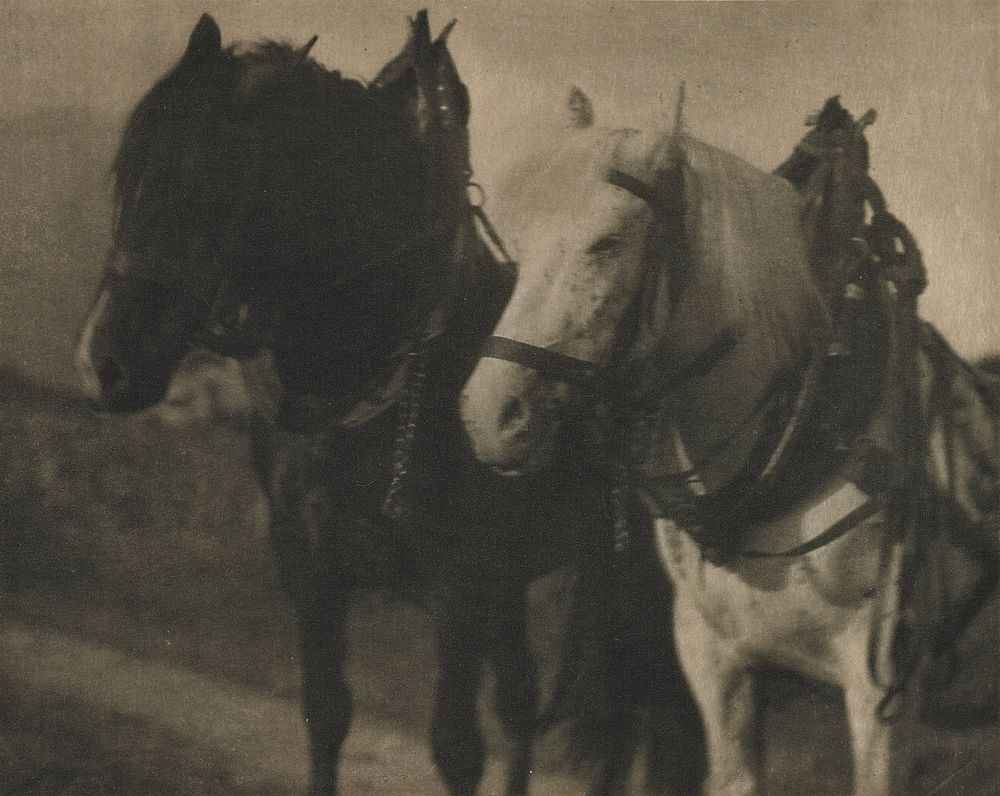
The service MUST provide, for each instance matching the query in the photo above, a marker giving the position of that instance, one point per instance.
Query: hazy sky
(753, 72)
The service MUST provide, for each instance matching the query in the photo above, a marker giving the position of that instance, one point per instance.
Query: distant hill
(54, 222)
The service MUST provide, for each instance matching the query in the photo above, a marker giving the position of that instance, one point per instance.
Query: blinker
(667, 202)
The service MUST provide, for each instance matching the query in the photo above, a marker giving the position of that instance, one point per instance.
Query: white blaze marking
(84, 362)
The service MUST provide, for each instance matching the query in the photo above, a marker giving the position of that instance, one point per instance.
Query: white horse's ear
(679, 108)
(675, 149)
(866, 120)
(581, 112)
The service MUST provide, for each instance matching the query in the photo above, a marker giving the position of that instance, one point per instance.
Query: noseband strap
(561, 367)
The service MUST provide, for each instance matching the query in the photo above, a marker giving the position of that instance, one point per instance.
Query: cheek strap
(666, 203)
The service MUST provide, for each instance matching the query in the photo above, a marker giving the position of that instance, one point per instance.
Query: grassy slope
(61, 749)
(126, 527)
(150, 539)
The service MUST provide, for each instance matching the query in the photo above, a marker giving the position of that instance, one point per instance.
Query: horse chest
(781, 610)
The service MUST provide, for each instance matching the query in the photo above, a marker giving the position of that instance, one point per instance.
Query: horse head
(638, 272)
(159, 283)
(249, 183)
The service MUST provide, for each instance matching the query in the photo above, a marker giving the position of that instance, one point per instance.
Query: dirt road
(230, 738)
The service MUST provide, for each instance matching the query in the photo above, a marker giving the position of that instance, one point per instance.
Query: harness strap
(840, 528)
(666, 204)
(394, 505)
(492, 236)
(632, 184)
(563, 367)
(705, 362)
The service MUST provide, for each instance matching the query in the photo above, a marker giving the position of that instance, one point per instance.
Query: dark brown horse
(265, 202)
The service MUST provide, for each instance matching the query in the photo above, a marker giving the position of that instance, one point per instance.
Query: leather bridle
(602, 378)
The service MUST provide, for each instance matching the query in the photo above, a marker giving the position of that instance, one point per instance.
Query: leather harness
(883, 253)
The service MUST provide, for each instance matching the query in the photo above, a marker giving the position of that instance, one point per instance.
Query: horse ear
(671, 177)
(424, 80)
(833, 115)
(866, 120)
(303, 52)
(396, 76)
(442, 39)
(581, 111)
(205, 40)
(675, 148)
(670, 196)
(444, 99)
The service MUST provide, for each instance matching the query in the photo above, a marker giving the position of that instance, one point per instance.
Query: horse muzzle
(509, 416)
(108, 379)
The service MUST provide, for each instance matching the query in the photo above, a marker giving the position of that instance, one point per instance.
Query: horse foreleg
(456, 739)
(326, 697)
(321, 610)
(516, 689)
(722, 686)
(299, 516)
(871, 737)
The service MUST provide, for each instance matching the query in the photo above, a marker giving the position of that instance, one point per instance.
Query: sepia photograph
(557, 398)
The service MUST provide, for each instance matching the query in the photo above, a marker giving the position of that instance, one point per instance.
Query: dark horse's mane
(284, 172)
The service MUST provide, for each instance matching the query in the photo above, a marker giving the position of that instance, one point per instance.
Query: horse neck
(328, 338)
(340, 311)
(715, 420)
(341, 296)
(331, 340)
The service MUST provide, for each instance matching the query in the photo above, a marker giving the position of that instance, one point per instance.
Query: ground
(146, 648)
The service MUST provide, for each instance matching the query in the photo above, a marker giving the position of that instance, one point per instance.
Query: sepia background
(144, 646)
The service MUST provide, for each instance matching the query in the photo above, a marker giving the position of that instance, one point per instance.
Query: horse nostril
(113, 377)
(514, 415)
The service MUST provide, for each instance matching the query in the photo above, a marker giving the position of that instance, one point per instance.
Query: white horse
(673, 284)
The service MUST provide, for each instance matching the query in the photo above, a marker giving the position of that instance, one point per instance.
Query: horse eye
(605, 245)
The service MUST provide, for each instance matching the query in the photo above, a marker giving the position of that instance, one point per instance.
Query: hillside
(147, 539)
(55, 216)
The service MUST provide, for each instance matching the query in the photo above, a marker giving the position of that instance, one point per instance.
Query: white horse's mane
(744, 233)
